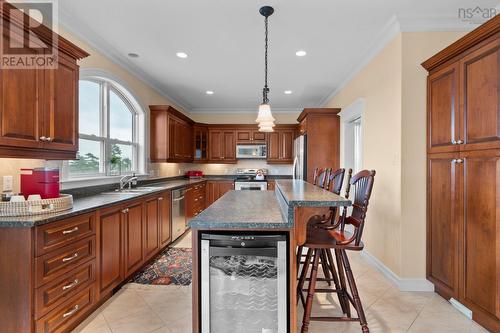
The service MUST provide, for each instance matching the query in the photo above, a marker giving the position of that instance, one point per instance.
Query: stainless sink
(137, 190)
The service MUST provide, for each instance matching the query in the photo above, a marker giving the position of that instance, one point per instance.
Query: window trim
(108, 83)
(348, 115)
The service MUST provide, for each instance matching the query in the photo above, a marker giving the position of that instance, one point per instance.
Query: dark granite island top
(242, 210)
(300, 193)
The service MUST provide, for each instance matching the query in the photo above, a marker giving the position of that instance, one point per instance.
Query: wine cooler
(244, 284)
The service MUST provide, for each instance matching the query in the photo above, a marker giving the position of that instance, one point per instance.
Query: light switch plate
(7, 183)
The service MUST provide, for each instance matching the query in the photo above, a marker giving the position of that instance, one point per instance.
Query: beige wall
(393, 85)
(416, 47)
(379, 83)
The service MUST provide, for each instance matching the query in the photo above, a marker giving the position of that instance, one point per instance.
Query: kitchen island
(244, 218)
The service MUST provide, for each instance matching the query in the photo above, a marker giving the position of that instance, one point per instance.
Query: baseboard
(403, 284)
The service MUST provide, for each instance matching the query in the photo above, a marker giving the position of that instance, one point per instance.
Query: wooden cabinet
(271, 185)
(35, 102)
(171, 135)
(200, 143)
(216, 189)
(165, 218)
(322, 129)
(195, 200)
(280, 145)
(110, 246)
(250, 135)
(222, 145)
(463, 222)
(133, 224)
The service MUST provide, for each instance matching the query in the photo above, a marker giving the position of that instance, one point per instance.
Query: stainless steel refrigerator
(300, 158)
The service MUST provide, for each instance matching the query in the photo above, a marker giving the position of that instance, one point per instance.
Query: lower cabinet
(195, 200)
(216, 189)
(133, 225)
(165, 219)
(152, 224)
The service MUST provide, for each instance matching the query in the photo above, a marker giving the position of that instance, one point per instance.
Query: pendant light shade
(265, 114)
(265, 117)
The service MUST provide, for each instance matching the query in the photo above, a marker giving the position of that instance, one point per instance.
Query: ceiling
(224, 40)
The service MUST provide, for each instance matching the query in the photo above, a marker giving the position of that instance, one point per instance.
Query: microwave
(251, 151)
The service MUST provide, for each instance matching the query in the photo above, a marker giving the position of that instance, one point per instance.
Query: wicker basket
(37, 207)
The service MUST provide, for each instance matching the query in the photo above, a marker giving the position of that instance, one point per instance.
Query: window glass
(120, 118)
(123, 156)
(88, 158)
(89, 108)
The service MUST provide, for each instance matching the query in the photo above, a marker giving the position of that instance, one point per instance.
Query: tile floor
(167, 309)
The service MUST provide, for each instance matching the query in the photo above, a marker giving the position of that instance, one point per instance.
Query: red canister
(43, 181)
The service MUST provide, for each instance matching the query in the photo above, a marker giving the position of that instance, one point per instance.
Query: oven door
(244, 289)
(250, 186)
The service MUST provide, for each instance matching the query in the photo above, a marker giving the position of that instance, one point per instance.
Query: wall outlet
(7, 183)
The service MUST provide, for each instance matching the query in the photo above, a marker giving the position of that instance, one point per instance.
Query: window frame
(106, 86)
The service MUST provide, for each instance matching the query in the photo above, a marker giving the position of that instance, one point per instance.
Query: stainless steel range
(251, 180)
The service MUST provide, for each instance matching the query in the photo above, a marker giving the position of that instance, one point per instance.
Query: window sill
(70, 183)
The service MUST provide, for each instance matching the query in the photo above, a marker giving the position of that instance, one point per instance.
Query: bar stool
(337, 238)
(320, 177)
(333, 184)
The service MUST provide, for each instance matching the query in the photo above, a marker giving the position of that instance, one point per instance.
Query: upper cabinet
(39, 107)
(222, 145)
(280, 145)
(171, 135)
(200, 143)
(463, 99)
(250, 136)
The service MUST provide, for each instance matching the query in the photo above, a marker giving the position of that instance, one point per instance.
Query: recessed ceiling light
(288, 92)
(300, 53)
(133, 55)
(209, 92)
(181, 55)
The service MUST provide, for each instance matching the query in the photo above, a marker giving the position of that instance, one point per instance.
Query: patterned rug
(172, 266)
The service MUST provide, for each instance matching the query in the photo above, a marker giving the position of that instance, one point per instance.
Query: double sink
(133, 191)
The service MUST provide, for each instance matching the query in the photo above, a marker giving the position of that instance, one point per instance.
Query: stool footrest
(334, 319)
(323, 290)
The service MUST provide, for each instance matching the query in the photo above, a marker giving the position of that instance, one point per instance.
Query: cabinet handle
(70, 231)
(160, 198)
(459, 160)
(71, 285)
(49, 139)
(125, 211)
(459, 142)
(75, 255)
(196, 199)
(453, 142)
(43, 138)
(71, 312)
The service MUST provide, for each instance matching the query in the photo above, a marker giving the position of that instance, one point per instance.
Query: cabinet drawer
(58, 234)
(61, 261)
(68, 313)
(60, 290)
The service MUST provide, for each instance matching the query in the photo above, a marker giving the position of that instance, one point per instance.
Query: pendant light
(265, 117)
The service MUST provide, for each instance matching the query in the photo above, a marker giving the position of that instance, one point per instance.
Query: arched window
(111, 130)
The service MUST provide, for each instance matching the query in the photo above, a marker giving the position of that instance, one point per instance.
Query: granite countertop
(300, 193)
(92, 202)
(242, 210)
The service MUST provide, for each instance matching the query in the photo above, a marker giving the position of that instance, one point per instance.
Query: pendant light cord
(266, 89)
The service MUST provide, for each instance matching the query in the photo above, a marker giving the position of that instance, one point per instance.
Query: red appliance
(194, 174)
(41, 181)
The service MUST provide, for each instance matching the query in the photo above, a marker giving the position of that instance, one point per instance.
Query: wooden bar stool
(320, 177)
(340, 240)
(334, 184)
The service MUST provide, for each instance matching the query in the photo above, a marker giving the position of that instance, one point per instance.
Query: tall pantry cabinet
(463, 173)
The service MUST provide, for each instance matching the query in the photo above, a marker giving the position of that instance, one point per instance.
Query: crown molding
(89, 36)
(392, 28)
(240, 110)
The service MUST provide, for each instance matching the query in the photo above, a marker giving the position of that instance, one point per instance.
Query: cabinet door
(60, 120)
(152, 226)
(189, 201)
(158, 136)
(224, 186)
(212, 192)
(21, 92)
(173, 149)
(215, 145)
(480, 99)
(200, 144)
(134, 240)
(480, 289)
(273, 146)
(229, 146)
(244, 135)
(165, 219)
(110, 231)
(443, 220)
(258, 136)
(286, 145)
(443, 110)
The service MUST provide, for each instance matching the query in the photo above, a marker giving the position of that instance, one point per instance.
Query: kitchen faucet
(127, 179)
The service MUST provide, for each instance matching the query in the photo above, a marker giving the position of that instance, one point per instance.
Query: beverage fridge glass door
(244, 289)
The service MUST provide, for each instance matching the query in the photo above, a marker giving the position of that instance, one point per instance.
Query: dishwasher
(178, 213)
